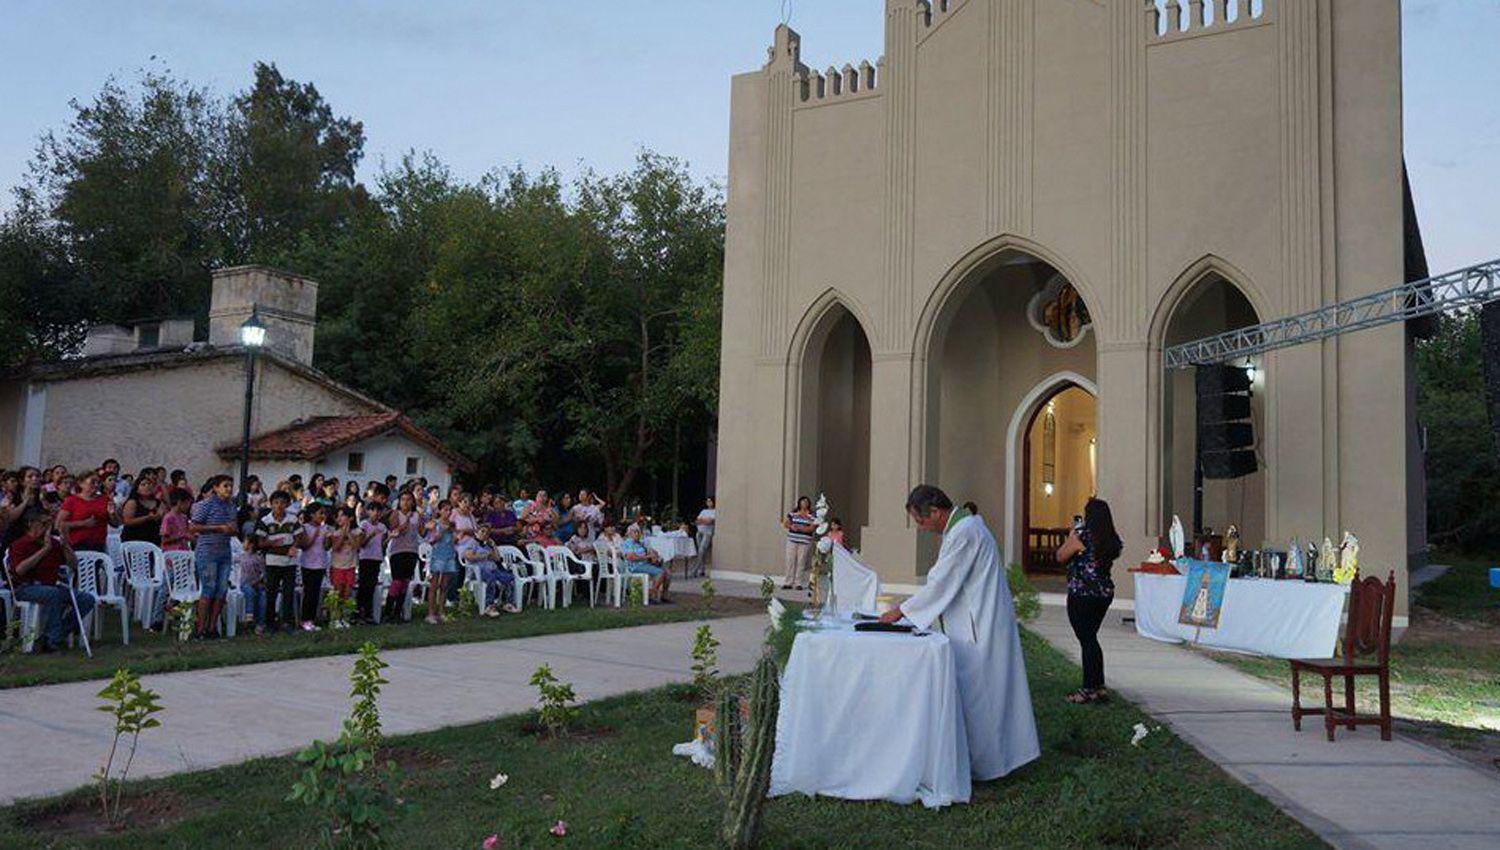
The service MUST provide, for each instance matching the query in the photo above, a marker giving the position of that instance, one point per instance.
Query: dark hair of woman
(971, 508)
(1101, 525)
(801, 500)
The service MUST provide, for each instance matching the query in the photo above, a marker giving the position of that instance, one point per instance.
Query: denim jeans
(213, 573)
(56, 609)
(255, 602)
(500, 585)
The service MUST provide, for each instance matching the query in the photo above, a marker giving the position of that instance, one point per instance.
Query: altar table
(870, 716)
(1281, 619)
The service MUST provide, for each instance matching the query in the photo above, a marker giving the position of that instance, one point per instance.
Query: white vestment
(967, 597)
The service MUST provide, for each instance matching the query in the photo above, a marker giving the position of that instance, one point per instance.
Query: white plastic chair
(233, 611)
(537, 556)
(560, 559)
(182, 579)
(113, 544)
(416, 590)
(96, 577)
(623, 567)
(472, 581)
(525, 574)
(145, 573)
(382, 589)
(30, 613)
(609, 573)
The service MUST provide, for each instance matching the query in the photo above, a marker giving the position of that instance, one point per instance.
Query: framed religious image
(1203, 598)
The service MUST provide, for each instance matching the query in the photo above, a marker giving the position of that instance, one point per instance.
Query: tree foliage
(563, 333)
(1463, 471)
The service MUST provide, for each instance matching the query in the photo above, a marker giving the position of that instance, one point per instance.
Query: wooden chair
(1366, 652)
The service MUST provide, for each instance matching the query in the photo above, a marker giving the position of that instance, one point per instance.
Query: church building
(960, 264)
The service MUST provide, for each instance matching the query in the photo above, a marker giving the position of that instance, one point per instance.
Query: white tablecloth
(670, 547)
(1282, 619)
(869, 716)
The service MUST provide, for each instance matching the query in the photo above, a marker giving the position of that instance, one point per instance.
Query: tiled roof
(317, 437)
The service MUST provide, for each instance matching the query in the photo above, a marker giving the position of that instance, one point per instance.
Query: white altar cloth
(870, 716)
(1281, 619)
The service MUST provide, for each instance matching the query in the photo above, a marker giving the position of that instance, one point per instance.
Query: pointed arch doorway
(1059, 463)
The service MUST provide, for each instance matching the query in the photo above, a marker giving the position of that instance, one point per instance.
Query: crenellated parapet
(814, 87)
(1170, 20)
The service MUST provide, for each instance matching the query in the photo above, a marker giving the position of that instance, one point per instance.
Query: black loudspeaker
(1226, 436)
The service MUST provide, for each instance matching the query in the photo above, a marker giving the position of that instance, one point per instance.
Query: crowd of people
(298, 537)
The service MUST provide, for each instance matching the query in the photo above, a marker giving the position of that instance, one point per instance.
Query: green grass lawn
(623, 788)
(1463, 592)
(152, 653)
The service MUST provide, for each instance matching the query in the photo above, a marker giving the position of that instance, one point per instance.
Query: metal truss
(1466, 287)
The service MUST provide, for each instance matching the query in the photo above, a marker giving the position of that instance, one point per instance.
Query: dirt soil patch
(79, 816)
(576, 734)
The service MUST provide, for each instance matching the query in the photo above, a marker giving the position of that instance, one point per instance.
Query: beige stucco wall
(175, 417)
(1134, 163)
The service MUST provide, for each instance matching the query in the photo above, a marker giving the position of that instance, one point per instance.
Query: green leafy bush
(1028, 601)
(342, 779)
(705, 663)
(340, 608)
(557, 700)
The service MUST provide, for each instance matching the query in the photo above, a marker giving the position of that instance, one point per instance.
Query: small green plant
(556, 698)
(1028, 602)
(634, 595)
(180, 618)
(13, 641)
(342, 778)
(767, 588)
(747, 746)
(134, 707)
(708, 595)
(366, 680)
(705, 663)
(468, 606)
(340, 608)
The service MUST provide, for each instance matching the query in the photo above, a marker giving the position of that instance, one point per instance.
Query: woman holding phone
(1089, 552)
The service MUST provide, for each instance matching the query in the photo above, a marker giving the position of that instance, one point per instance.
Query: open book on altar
(855, 585)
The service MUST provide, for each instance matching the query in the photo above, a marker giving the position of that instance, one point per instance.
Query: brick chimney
(288, 306)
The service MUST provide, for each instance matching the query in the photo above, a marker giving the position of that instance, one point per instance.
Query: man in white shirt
(967, 598)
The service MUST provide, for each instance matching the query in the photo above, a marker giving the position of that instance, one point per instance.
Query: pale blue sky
(559, 82)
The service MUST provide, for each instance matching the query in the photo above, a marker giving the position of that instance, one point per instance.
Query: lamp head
(253, 331)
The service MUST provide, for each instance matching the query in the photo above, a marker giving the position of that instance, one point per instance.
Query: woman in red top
(86, 516)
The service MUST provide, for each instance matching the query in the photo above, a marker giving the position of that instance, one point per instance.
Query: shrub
(556, 698)
(468, 606)
(342, 778)
(705, 662)
(133, 706)
(708, 594)
(339, 607)
(1028, 602)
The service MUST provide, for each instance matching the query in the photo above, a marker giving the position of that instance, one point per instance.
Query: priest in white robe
(968, 598)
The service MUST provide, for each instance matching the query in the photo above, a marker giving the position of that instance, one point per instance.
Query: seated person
(580, 545)
(640, 559)
(36, 559)
(611, 536)
(481, 555)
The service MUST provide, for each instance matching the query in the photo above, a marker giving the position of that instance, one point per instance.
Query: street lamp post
(252, 337)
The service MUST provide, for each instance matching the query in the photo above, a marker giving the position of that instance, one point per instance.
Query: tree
(1463, 474)
(130, 186)
(43, 302)
(593, 319)
(294, 162)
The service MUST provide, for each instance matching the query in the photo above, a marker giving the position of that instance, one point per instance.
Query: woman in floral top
(1090, 551)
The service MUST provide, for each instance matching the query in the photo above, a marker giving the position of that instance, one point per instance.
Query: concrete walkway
(1357, 792)
(52, 738)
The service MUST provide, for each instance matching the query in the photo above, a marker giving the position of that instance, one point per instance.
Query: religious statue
(1179, 540)
(1294, 559)
(1328, 559)
(1348, 566)
(1232, 544)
